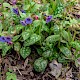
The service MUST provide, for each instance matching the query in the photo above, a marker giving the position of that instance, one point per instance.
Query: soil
(24, 68)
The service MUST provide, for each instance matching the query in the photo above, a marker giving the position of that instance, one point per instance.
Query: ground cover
(39, 40)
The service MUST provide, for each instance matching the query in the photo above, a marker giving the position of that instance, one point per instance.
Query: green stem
(40, 32)
(75, 53)
(74, 35)
(40, 28)
(31, 29)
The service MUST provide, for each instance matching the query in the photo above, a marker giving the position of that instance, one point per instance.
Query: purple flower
(48, 18)
(5, 39)
(2, 39)
(23, 11)
(28, 20)
(13, 2)
(15, 10)
(23, 23)
(8, 39)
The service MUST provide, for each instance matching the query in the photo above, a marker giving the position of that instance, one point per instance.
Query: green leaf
(5, 48)
(77, 56)
(11, 30)
(25, 51)
(75, 45)
(26, 7)
(26, 35)
(55, 55)
(10, 76)
(66, 51)
(45, 28)
(61, 59)
(35, 7)
(1, 1)
(1, 45)
(54, 5)
(22, 15)
(65, 35)
(1, 27)
(36, 23)
(33, 39)
(40, 64)
(15, 38)
(7, 14)
(53, 38)
(73, 21)
(40, 51)
(77, 63)
(6, 5)
(47, 54)
(17, 46)
(56, 29)
(18, 27)
(59, 8)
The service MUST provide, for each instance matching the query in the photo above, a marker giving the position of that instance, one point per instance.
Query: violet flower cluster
(26, 21)
(6, 39)
(29, 20)
(16, 11)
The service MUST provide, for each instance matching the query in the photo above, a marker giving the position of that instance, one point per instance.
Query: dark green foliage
(55, 40)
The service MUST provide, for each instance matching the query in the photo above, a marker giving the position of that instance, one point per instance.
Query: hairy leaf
(33, 39)
(53, 38)
(17, 46)
(40, 64)
(25, 51)
(66, 51)
(26, 35)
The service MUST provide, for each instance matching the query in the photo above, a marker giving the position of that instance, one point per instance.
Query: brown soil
(24, 68)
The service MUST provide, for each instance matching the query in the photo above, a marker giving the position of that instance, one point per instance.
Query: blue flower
(23, 11)
(28, 20)
(8, 39)
(23, 23)
(48, 18)
(15, 10)
(5, 39)
(2, 39)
